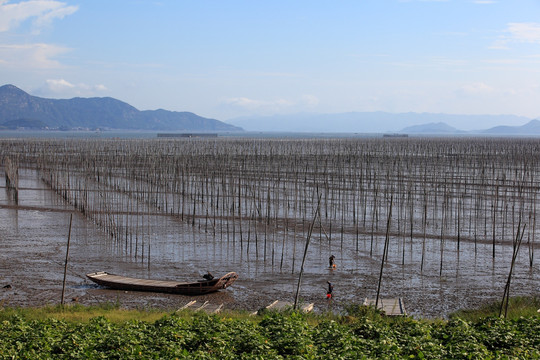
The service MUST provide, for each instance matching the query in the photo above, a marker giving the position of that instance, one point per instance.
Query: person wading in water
(330, 290)
(331, 261)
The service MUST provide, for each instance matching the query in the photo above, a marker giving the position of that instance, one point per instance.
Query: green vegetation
(82, 314)
(360, 334)
(24, 123)
(519, 306)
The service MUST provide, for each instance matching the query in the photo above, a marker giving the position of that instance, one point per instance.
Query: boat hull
(118, 282)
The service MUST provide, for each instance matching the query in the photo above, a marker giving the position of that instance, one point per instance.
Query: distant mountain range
(383, 122)
(431, 128)
(530, 128)
(21, 110)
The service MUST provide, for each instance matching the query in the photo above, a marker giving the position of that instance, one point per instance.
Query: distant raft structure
(187, 135)
(396, 135)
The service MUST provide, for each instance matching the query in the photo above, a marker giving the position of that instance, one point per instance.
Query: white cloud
(34, 56)
(476, 88)
(499, 44)
(504, 61)
(31, 55)
(58, 85)
(243, 106)
(518, 33)
(247, 103)
(239, 106)
(42, 11)
(485, 2)
(62, 87)
(525, 32)
(100, 87)
(310, 100)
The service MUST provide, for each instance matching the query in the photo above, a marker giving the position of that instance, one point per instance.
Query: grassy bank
(77, 332)
(113, 312)
(518, 307)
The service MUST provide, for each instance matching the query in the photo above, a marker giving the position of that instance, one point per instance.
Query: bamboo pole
(385, 251)
(66, 262)
(317, 213)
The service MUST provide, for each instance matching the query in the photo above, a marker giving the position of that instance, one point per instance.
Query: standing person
(208, 276)
(331, 261)
(330, 290)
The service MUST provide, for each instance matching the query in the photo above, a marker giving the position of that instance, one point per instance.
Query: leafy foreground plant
(274, 336)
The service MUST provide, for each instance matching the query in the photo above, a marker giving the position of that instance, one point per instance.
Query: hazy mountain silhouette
(372, 122)
(432, 128)
(530, 128)
(19, 109)
(91, 113)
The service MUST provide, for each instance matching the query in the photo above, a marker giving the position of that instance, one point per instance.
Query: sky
(228, 58)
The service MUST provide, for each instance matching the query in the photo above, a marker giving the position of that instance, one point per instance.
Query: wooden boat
(174, 287)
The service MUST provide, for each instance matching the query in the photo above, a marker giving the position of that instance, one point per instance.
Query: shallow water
(34, 236)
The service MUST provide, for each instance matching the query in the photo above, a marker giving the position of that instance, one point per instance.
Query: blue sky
(229, 58)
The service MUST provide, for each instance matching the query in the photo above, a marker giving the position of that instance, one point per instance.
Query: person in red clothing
(330, 290)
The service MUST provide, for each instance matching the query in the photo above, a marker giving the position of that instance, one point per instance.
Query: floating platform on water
(279, 305)
(391, 307)
(187, 135)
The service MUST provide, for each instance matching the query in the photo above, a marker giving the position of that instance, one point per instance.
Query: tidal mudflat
(452, 210)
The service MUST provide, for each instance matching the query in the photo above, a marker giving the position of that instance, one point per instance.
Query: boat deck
(198, 287)
(106, 277)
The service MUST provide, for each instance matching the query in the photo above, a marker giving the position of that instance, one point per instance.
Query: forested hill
(17, 106)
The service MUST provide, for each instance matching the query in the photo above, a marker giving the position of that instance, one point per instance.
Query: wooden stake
(66, 262)
(305, 252)
(385, 251)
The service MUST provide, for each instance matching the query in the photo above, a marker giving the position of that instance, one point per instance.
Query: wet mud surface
(34, 234)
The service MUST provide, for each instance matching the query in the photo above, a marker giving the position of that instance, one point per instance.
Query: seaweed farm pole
(66, 262)
(424, 226)
(494, 214)
(385, 251)
(317, 212)
(12, 178)
(444, 213)
(531, 245)
(516, 245)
